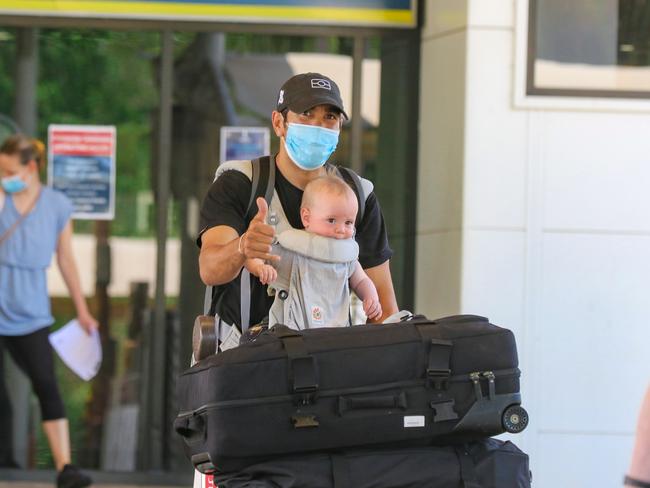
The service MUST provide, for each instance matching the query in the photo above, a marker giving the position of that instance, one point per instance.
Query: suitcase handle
(190, 427)
(460, 319)
(370, 402)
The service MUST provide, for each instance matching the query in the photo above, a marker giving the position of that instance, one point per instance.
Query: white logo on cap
(320, 83)
(281, 97)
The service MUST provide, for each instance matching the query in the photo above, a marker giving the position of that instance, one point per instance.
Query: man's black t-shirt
(226, 204)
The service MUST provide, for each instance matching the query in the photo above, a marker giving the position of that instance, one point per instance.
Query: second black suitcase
(415, 383)
(488, 463)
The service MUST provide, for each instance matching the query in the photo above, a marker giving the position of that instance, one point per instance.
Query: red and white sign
(203, 480)
(82, 142)
(209, 481)
(82, 166)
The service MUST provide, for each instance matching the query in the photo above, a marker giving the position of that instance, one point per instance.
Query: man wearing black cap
(308, 118)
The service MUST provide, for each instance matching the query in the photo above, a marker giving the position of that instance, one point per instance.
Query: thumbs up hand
(256, 241)
(262, 211)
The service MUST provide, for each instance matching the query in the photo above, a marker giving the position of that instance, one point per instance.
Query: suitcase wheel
(515, 419)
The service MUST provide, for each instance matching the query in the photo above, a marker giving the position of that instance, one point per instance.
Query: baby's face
(331, 216)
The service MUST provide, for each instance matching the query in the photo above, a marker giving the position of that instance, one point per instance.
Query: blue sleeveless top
(24, 259)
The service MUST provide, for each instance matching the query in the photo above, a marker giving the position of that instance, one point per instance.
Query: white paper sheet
(82, 353)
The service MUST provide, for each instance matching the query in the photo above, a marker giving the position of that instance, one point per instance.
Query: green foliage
(102, 77)
(7, 57)
(272, 44)
(98, 77)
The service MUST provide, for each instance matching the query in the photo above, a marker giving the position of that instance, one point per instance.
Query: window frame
(526, 96)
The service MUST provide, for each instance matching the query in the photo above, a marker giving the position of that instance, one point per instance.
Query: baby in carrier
(318, 265)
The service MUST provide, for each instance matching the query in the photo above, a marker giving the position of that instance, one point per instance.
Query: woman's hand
(87, 322)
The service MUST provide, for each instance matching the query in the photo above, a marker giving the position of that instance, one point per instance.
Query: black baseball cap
(306, 90)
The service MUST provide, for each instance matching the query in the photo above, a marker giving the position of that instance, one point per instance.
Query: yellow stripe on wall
(247, 13)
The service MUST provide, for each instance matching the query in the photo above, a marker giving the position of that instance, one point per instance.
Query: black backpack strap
(353, 179)
(270, 184)
(262, 183)
(208, 301)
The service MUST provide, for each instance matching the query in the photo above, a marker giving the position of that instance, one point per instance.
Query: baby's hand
(267, 274)
(372, 308)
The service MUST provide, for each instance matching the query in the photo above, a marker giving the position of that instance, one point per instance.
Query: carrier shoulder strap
(262, 183)
(353, 179)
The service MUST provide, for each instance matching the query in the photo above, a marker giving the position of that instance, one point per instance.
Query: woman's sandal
(634, 482)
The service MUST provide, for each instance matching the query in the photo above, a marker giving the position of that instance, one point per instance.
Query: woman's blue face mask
(310, 146)
(13, 184)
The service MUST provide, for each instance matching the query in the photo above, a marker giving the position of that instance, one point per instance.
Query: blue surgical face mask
(13, 184)
(309, 146)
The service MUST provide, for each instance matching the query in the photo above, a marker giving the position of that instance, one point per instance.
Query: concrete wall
(539, 219)
(441, 149)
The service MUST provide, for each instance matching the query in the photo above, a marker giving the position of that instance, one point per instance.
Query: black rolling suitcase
(488, 463)
(415, 383)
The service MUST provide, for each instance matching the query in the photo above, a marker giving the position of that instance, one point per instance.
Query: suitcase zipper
(497, 373)
(491, 376)
(356, 390)
(323, 394)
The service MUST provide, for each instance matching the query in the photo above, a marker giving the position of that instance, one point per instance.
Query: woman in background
(35, 223)
(639, 472)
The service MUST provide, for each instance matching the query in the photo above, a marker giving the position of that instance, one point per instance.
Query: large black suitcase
(420, 382)
(488, 463)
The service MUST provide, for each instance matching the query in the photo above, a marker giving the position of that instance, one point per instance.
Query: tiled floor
(16, 478)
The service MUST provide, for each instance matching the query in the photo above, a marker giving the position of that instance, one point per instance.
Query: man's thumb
(262, 210)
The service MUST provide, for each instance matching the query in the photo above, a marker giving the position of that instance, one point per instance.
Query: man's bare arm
(220, 260)
(223, 250)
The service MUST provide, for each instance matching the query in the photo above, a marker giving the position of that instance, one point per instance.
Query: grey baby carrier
(312, 288)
